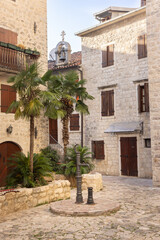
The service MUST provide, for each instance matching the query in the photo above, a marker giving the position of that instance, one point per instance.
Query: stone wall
(25, 198)
(92, 180)
(20, 16)
(123, 76)
(153, 41)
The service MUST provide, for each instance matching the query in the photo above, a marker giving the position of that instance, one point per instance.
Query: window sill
(74, 131)
(107, 117)
(108, 67)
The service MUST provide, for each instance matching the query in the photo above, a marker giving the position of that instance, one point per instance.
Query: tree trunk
(65, 134)
(31, 142)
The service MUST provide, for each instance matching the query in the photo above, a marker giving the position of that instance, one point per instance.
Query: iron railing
(16, 60)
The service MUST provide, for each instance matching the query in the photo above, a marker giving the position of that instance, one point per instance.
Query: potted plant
(3, 44)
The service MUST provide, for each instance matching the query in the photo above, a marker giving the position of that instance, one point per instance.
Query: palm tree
(31, 99)
(72, 94)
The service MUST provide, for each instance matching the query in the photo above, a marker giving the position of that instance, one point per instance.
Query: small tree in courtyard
(72, 94)
(32, 99)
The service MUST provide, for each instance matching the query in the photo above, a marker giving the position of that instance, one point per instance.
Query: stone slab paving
(138, 218)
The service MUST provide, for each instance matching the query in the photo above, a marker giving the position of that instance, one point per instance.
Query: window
(108, 56)
(143, 95)
(74, 122)
(143, 3)
(107, 103)
(147, 143)
(142, 46)
(98, 150)
(53, 131)
(8, 95)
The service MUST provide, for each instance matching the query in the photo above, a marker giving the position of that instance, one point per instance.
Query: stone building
(23, 24)
(153, 41)
(61, 61)
(114, 62)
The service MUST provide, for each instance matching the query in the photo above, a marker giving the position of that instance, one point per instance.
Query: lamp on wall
(9, 129)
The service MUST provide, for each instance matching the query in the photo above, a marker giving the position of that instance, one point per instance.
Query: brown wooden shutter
(111, 102)
(104, 58)
(8, 36)
(146, 90)
(8, 95)
(143, 3)
(74, 122)
(104, 103)
(140, 47)
(145, 45)
(99, 150)
(94, 149)
(110, 55)
(53, 131)
(139, 99)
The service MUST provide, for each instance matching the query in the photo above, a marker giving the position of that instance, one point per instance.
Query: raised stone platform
(69, 208)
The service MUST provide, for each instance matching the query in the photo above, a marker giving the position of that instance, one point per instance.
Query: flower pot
(11, 46)
(28, 51)
(3, 44)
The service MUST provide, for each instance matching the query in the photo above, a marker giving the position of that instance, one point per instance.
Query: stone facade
(153, 30)
(123, 77)
(20, 17)
(25, 198)
(92, 180)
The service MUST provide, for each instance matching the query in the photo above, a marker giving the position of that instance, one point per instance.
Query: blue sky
(75, 15)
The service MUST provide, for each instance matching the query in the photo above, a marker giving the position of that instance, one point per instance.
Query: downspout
(81, 77)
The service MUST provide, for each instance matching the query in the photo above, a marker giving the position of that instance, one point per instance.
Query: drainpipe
(81, 77)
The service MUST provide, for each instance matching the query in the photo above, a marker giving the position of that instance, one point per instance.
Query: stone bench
(92, 180)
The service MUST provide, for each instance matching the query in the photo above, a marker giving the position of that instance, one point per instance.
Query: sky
(75, 15)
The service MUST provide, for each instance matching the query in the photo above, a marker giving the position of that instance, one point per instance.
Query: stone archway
(6, 150)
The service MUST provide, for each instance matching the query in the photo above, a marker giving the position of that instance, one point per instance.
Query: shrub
(54, 158)
(20, 173)
(85, 156)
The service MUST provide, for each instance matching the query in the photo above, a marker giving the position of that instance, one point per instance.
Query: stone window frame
(103, 47)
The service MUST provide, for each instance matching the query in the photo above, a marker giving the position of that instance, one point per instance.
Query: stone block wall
(123, 76)
(92, 180)
(25, 198)
(153, 41)
(20, 17)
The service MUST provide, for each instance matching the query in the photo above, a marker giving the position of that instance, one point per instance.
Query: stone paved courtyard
(138, 218)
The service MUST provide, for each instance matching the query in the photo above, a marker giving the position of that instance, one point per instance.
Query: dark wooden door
(53, 131)
(6, 150)
(129, 156)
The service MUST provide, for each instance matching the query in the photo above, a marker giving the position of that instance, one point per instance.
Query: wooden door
(53, 131)
(6, 150)
(129, 156)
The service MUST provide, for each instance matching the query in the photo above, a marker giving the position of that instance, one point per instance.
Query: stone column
(153, 45)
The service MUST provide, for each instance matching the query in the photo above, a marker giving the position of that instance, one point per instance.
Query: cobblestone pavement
(138, 218)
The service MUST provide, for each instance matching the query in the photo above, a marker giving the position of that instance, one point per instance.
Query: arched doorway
(6, 150)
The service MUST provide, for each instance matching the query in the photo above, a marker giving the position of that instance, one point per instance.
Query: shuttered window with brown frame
(143, 3)
(142, 46)
(74, 122)
(107, 103)
(98, 150)
(143, 98)
(8, 95)
(108, 56)
(53, 131)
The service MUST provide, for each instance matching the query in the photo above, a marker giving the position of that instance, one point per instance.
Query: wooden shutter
(145, 45)
(104, 103)
(104, 58)
(139, 99)
(74, 122)
(53, 131)
(140, 47)
(111, 102)
(110, 55)
(8, 36)
(146, 90)
(99, 150)
(94, 149)
(8, 95)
